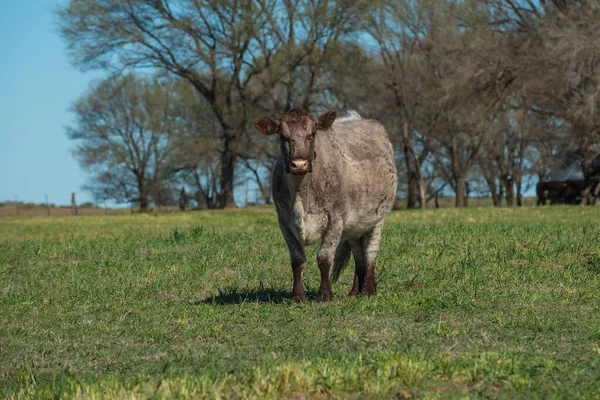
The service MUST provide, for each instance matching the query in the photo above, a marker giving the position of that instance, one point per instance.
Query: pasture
(490, 303)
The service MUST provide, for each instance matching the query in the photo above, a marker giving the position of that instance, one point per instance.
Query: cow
(334, 181)
(573, 191)
(550, 190)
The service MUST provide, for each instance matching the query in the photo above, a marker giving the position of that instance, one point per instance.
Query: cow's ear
(326, 120)
(266, 126)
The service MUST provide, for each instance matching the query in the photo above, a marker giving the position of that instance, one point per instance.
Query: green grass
(473, 303)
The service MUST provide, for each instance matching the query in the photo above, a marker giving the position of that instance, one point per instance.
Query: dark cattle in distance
(549, 190)
(570, 191)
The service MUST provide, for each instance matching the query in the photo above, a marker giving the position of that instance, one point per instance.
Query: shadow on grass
(275, 296)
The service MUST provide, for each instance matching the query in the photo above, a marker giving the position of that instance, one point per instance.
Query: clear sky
(37, 86)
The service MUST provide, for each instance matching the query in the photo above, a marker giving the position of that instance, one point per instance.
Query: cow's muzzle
(299, 166)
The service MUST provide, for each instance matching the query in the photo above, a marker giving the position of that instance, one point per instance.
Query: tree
(555, 49)
(503, 159)
(398, 29)
(466, 81)
(125, 130)
(233, 52)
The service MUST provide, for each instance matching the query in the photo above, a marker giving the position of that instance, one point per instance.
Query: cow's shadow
(273, 296)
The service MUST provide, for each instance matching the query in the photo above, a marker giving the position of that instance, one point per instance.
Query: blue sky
(37, 86)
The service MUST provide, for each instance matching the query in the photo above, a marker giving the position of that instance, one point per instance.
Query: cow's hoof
(353, 293)
(370, 287)
(370, 290)
(325, 296)
(298, 297)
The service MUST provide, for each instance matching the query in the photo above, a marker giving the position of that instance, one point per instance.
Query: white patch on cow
(351, 115)
(306, 224)
(298, 213)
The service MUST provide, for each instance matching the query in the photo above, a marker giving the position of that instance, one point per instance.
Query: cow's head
(296, 129)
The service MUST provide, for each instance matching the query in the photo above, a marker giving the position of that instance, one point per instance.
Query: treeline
(477, 95)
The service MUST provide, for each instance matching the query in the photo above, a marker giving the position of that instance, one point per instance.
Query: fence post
(74, 210)
(47, 204)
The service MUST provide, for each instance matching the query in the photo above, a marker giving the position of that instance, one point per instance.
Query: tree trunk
(585, 161)
(422, 193)
(493, 191)
(143, 202)
(491, 182)
(502, 188)
(495, 201)
(510, 192)
(460, 192)
(411, 199)
(467, 192)
(518, 183)
(182, 199)
(201, 200)
(421, 181)
(498, 200)
(143, 192)
(590, 194)
(596, 193)
(227, 176)
(267, 196)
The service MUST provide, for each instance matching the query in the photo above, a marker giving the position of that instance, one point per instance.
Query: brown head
(297, 130)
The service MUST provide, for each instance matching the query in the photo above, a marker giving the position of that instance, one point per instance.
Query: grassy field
(473, 303)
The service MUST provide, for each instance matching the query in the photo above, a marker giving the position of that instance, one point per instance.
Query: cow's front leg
(298, 287)
(298, 259)
(325, 260)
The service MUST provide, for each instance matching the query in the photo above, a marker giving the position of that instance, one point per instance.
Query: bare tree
(468, 81)
(502, 159)
(473, 93)
(125, 130)
(233, 52)
(397, 29)
(556, 49)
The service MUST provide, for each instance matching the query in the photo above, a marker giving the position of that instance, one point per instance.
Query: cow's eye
(311, 136)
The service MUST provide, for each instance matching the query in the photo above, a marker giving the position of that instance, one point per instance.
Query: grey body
(342, 202)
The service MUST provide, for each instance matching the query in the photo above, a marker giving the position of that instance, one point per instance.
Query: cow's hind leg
(370, 246)
(360, 267)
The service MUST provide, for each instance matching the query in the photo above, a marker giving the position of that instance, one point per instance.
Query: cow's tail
(342, 256)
